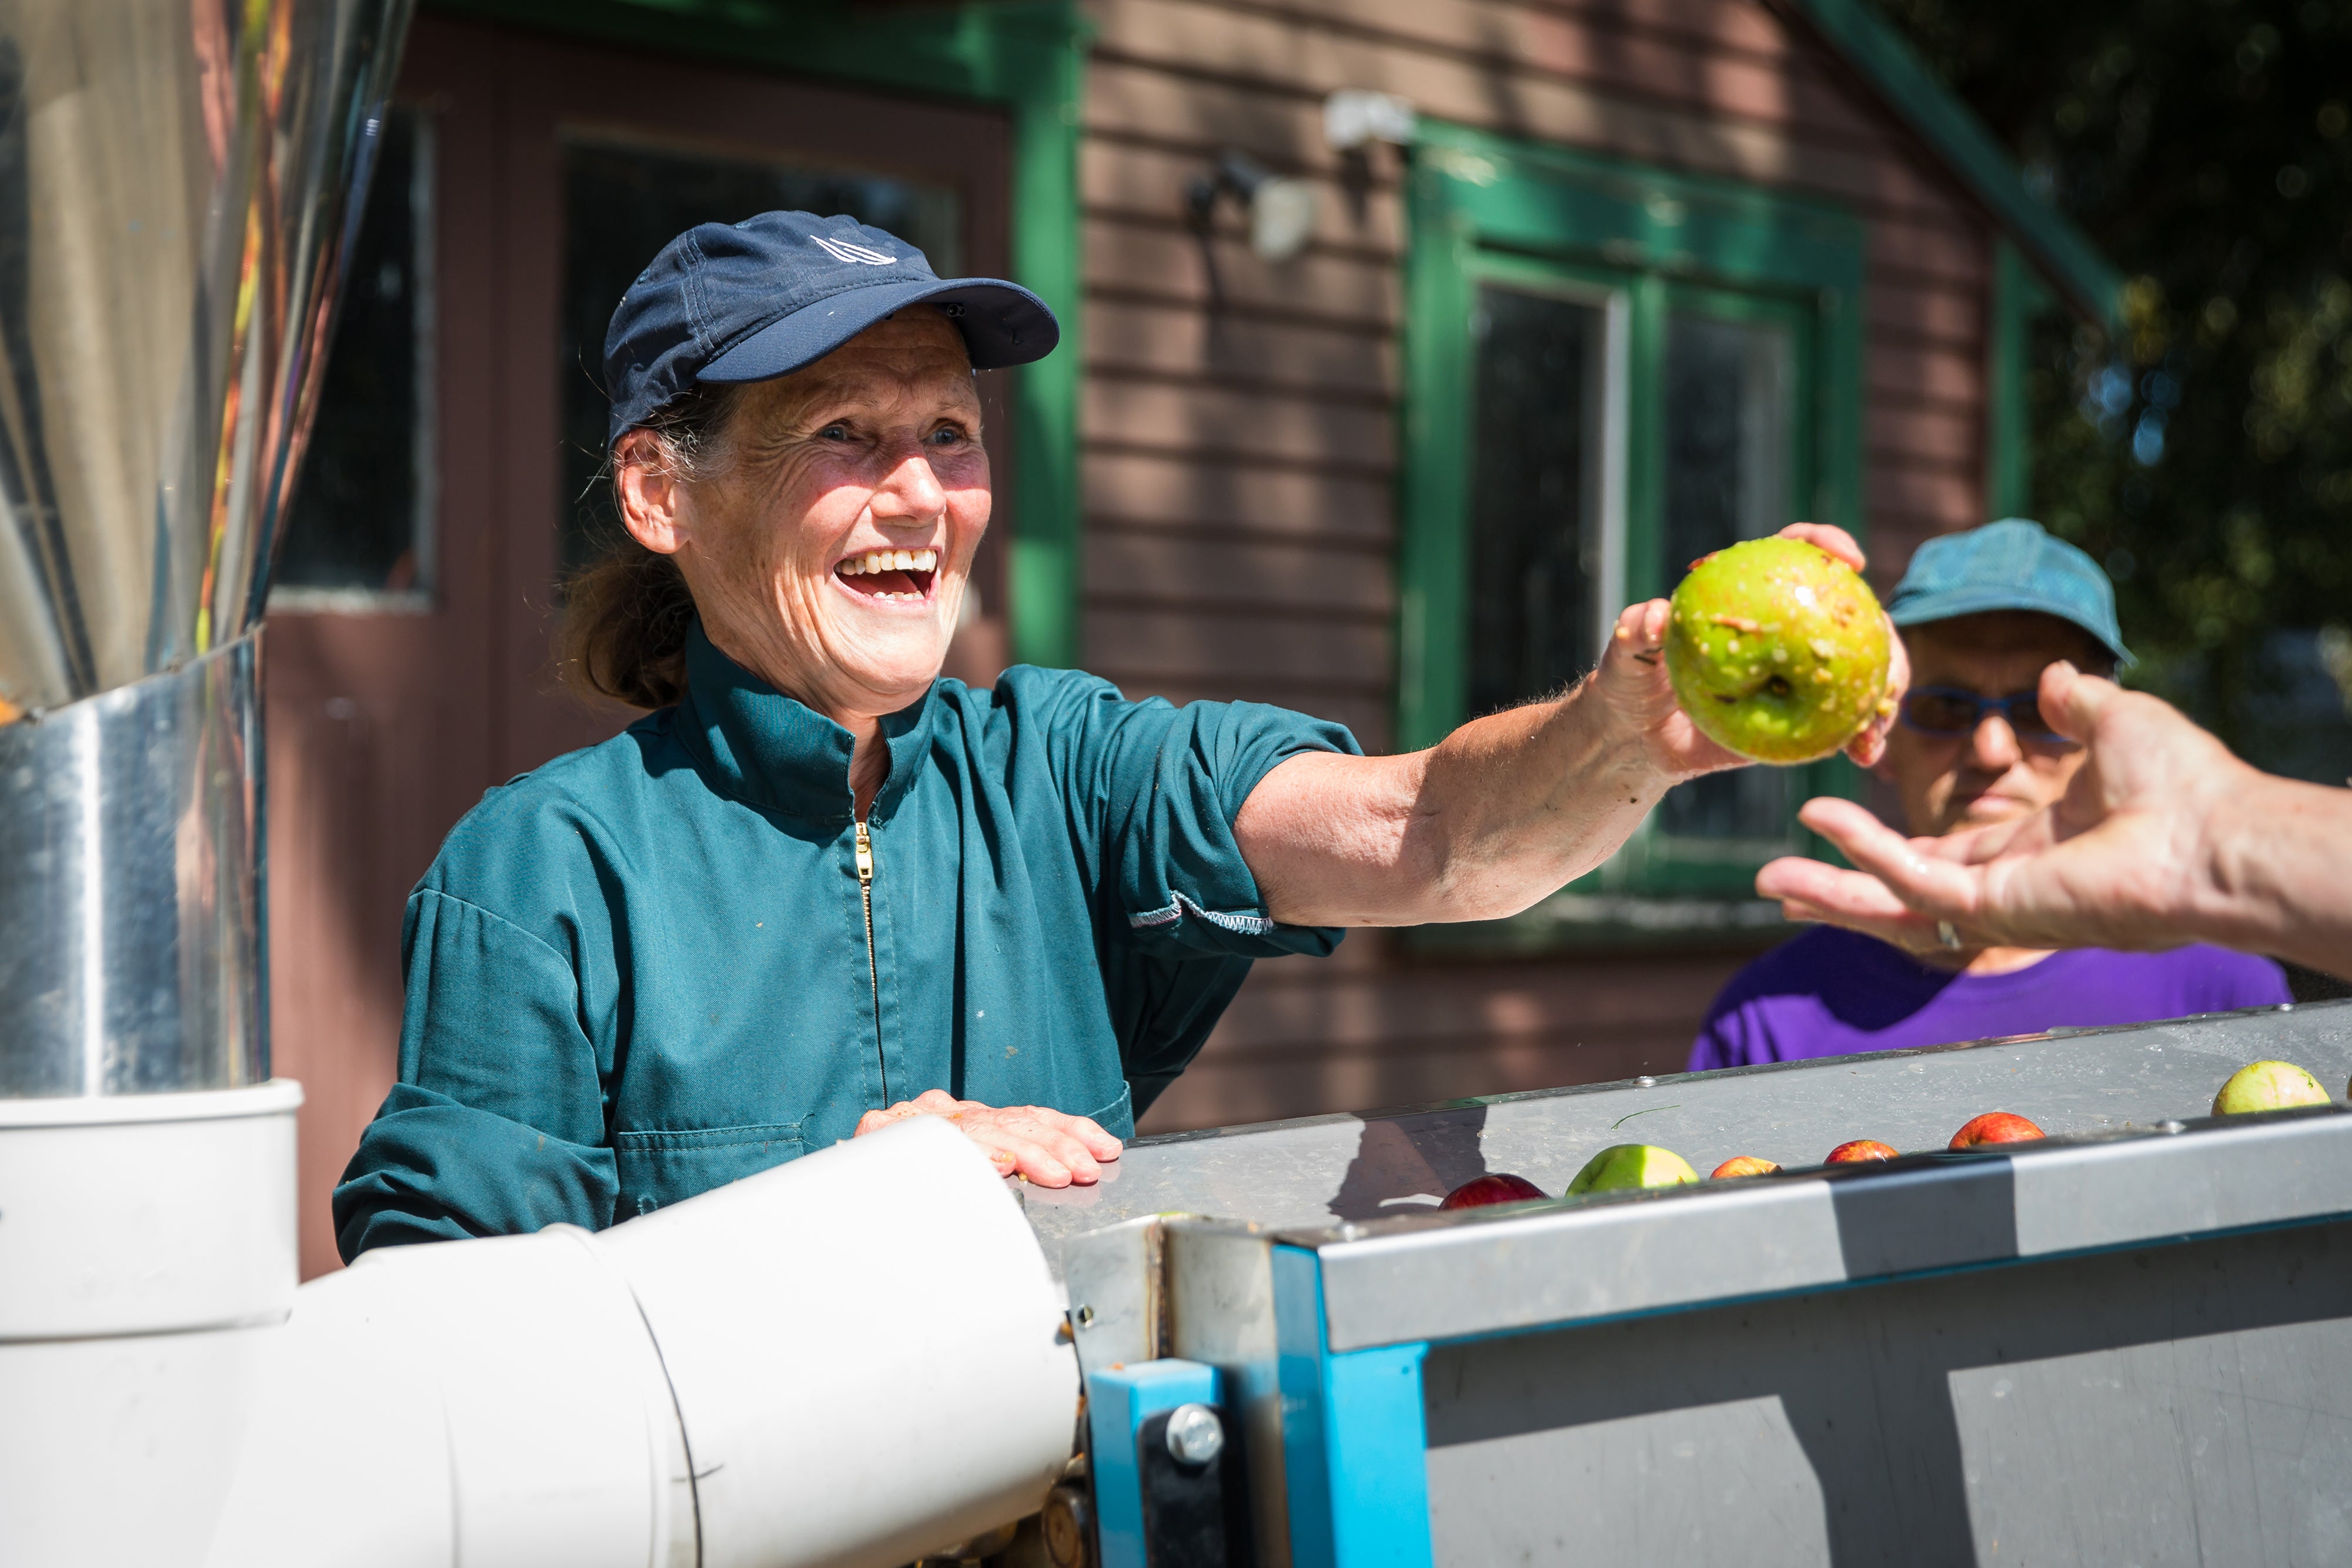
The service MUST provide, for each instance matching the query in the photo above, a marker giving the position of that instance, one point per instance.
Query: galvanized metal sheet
(1433, 1278)
(2183, 1404)
(1350, 1169)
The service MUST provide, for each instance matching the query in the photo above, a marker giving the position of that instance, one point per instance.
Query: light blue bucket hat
(2013, 564)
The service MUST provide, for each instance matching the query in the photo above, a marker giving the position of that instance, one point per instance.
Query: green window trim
(1937, 116)
(1485, 209)
(1028, 59)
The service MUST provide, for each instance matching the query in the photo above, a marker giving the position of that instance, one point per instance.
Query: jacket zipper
(873, 968)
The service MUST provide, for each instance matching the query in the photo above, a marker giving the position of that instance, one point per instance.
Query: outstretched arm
(2162, 837)
(1506, 810)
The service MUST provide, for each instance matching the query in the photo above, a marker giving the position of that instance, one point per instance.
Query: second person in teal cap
(1983, 613)
(819, 887)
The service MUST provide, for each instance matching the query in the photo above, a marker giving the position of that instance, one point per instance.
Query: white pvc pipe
(867, 1349)
(861, 1352)
(147, 1256)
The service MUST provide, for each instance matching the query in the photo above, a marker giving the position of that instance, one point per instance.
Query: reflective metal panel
(130, 926)
(174, 184)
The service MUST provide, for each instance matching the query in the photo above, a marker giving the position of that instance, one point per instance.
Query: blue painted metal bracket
(1118, 1399)
(1355, 1447)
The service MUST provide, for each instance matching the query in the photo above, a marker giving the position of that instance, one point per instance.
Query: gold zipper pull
(865, 856)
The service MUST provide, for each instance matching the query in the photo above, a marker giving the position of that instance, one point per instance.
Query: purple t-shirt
(1834, 993)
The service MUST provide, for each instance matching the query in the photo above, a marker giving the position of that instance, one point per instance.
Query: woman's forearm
(1502, 812)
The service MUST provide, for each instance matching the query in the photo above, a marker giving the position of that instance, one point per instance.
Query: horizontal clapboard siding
(1240, 426)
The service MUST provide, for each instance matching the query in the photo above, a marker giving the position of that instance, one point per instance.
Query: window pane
(361, 520)
(622, 204)
(1535, 523)
(1727, 438)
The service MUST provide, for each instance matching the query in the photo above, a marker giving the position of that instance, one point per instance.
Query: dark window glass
(622, 204)
(1535, 524)
(1727, 439)
(359, 522)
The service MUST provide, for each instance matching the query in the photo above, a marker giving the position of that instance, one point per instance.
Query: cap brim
(1929, 608)
(1002, 324)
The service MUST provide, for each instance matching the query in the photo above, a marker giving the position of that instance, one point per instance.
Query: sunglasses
(1948, 712)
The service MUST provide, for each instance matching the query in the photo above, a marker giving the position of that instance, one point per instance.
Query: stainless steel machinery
(2130, 1344)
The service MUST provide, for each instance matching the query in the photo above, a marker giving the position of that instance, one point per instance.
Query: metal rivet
(1195, 1435)
(1085, 1316)
(1646, 1082)
(2169, 1125)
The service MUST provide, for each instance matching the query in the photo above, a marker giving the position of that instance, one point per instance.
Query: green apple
(1777, 650)
(2267, 1086)
(1623, 1166)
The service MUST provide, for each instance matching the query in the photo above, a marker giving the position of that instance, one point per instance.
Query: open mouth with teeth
(899, 575)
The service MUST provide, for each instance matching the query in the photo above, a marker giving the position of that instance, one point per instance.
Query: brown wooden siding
(1239, 464)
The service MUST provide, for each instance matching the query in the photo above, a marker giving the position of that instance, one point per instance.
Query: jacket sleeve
(1152, 790)
(496, 1126)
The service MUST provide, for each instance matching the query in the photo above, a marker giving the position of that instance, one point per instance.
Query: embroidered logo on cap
(842, 250)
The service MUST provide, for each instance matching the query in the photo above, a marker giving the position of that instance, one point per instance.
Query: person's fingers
(2073, 703)
(1832, 893)
(1640, 631)
(938, 1103)
(1028, 1158)
(1828, 536)
(1088, 1133)
(1916, 872)
(1045, 1130)
(884, 1115)
(1869, 742)
(1812, 893)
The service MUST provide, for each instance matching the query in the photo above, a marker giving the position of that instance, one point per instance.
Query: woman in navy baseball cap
(821, 887)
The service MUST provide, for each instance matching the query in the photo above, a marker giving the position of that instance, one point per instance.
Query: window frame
(424, 440)
(1486, 209)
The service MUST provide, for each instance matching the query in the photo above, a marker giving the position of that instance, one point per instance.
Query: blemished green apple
(1621, 1166)
(1778, 650)
(2267, 1086)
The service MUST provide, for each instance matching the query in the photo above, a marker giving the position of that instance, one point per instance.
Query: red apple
(1742, 1166)
(1995, 1127)
(1860, 1149)
(1495, 1186)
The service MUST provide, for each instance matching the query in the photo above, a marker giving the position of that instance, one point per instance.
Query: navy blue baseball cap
(750, 301)
(2013, 564)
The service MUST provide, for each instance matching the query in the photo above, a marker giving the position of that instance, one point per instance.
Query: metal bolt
(1085, 1316)
(1068, 1527)
(1195, 1435)
(1646, 1080)
(2169, 1125)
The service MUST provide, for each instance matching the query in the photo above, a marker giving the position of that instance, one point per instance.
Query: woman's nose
(910, 492)
(1992, 747)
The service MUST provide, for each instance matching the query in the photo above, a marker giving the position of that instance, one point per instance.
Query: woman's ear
(653, 502)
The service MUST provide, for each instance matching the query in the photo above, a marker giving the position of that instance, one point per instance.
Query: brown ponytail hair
(625, 615)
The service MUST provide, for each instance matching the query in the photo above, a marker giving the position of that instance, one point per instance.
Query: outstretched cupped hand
(1048, 1147)
(2109, 864)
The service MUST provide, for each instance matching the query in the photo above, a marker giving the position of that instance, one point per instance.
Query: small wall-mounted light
(1281, 211)
(1353, 116)
(1354, 122)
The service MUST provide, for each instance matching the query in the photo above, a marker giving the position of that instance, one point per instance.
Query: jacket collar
(776, 753)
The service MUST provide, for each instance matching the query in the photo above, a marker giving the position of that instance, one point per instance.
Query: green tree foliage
(2206, 455)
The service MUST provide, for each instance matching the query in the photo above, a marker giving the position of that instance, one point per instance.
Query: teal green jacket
(644, 969)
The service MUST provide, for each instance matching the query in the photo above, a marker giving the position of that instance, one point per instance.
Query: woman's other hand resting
(1050, 1148)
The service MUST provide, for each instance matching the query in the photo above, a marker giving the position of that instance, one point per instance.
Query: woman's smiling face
(831, 554)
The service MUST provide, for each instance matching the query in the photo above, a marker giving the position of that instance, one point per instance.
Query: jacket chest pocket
(658, 1168)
